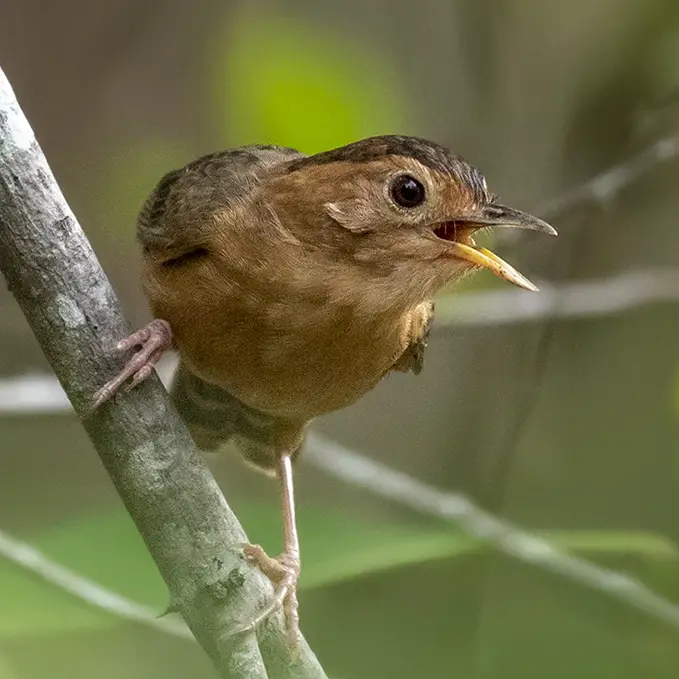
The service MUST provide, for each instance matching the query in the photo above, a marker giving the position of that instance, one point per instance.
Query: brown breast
(296, 360)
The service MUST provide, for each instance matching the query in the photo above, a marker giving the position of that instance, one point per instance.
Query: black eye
(406, 191)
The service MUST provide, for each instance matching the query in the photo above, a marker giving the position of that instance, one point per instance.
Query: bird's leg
(153, 340)
(283, 571)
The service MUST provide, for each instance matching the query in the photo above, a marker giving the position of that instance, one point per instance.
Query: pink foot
(153, 340)
(283, 571)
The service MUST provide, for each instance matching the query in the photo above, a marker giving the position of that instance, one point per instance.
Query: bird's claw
(283, 571)
(153, 340)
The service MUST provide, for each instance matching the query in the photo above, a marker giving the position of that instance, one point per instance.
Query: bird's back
(178, 210)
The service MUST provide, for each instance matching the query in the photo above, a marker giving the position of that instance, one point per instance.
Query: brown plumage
(291, 285)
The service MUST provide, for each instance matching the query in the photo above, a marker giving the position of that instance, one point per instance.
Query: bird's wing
(412, 359)
(174, 219)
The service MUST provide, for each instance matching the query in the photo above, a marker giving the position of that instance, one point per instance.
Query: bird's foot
(283, 571)
(153, 340)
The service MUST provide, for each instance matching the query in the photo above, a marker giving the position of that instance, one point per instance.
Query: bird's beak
(501, 215)
(463, 246)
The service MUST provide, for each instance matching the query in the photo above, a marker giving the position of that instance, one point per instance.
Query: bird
(292, 284)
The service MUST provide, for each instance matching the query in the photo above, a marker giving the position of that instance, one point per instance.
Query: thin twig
(191, 533)
(607, 185)
(581, 299)
(32, 559)
(83, 589)
(351, 467)
(508, 538)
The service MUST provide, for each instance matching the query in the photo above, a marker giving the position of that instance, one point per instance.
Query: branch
(581, 299)
(41, 394)
(351, 467)
(358, 470)
(82, 588)
(602, 189)
(607, 185)
(192, 534)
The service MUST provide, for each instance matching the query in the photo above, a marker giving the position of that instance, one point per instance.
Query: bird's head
(401, 208)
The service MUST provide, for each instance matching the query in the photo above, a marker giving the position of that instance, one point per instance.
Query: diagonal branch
(352, 467)
(41, 394)
(33, 560)
(608, 184)
(178, 508)
(593, 298)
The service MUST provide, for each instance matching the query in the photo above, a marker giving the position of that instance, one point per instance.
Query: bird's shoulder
(184, 199)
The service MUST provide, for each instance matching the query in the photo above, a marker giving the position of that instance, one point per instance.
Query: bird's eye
(406, 191)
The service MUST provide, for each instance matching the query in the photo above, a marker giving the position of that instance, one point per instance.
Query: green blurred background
(568, 426)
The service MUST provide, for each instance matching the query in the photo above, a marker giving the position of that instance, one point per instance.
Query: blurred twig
(607, 185)
(32, 559)
(602, 189)
(41, 394)
(605, 296)
(358, 470)
(581, 299)
(175, 502)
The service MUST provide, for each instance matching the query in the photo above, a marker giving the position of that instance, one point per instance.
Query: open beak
(459, 234)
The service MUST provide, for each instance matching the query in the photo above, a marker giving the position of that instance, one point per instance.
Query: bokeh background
(567, 425)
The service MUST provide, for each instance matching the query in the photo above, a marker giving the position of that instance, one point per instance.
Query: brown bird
(291, 285)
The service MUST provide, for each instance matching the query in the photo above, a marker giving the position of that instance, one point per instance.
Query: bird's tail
(215, 417)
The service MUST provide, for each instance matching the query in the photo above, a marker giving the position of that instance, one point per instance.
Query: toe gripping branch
(151, 341)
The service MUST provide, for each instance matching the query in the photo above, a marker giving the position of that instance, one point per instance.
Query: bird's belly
(298, 374)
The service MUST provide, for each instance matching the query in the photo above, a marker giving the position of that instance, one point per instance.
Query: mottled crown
(429, 153)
